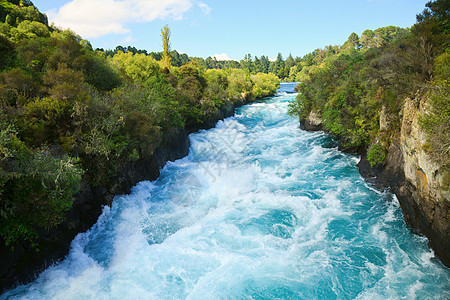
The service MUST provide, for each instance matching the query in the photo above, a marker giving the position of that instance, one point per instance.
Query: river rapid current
(259, 209)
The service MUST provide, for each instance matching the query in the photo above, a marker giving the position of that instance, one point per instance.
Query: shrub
(265, 84)
(376, 155)
(45, 120)
(239, 84)
(98, 72)
(36, 188)
(145, 136)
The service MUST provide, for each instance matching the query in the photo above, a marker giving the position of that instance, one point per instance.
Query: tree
(6, 52)
(22, 85)
(353, 40)
(367, 39)
(277, 67)
(433, 26)
(98, 72)
(138, 67)
(259, 68)
(165, 35)
(120, 48)
(265, 64)
(438, 12)
(191, 82)
(64, 83)
(290, 61)
(246, 63)
(175, 57)
(436, 121)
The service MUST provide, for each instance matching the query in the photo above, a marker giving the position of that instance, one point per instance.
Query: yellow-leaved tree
(165, 35)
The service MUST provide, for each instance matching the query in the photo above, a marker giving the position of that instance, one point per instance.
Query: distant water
(258, 210)
(287, 87)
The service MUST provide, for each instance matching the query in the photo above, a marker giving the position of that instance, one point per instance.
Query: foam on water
(258, 210)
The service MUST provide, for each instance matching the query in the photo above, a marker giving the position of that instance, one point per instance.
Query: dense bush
(376, 154)
(36, 187)
(264, 84)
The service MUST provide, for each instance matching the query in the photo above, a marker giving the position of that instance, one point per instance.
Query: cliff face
(425, 199)
(412, 175)
(23, 264)
(420, 169)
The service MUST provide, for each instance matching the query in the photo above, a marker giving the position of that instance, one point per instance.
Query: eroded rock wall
(410, 173)
(424, 197)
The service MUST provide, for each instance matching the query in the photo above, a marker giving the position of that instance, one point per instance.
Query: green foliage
(45, 120)
(353, 40)
(18, 87)
(217, 84)
(6, 51)
(239, 84)
(137, 67)
(65, 84)
(376, 154)
(264, 84)
(433, 26)
(10, 11)
(436, 122)
(98, 72)
(349, 85)
(163, 104)
(191, 82)
(337, 93)
(36, 188)
(28, 30)
(145, 136)
(10, 145)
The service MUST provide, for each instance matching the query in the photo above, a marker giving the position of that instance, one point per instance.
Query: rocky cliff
(418, 181)
(424, 197)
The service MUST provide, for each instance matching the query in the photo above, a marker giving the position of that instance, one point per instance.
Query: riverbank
(23, 263)
(394, 115)
(423, 204)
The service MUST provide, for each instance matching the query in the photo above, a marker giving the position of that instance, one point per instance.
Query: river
(259, 209)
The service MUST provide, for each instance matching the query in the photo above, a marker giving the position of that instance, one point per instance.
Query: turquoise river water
(259, 209)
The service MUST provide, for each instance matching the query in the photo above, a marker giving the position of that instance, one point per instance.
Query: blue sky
(230, 27)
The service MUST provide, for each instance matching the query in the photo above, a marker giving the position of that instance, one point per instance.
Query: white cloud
(149, 10)
(204, 7)
(222, 56)
(127, 40)
(93, 19)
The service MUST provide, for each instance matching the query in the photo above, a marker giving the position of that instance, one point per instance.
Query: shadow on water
(328, 141)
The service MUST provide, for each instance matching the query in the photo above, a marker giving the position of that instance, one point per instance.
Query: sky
(227, 29)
